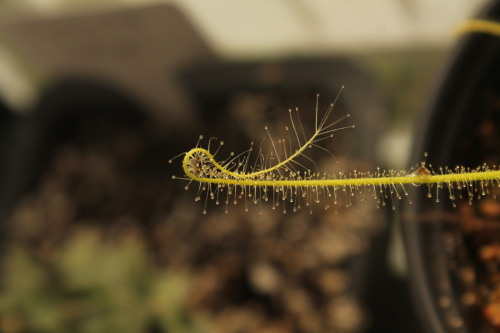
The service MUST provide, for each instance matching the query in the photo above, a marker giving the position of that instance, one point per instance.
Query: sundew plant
(279, 171)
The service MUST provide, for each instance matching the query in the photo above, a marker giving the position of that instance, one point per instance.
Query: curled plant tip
(288, 184)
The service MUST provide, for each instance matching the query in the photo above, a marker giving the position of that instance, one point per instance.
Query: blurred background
(97, 96)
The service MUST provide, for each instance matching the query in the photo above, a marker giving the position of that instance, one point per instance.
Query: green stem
(244, 179)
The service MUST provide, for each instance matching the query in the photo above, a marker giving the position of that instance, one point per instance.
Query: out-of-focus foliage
(92, 285)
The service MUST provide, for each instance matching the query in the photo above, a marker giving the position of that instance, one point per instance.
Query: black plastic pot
(452, 283)
(7, 119)
(8, 122)
(60, 114)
